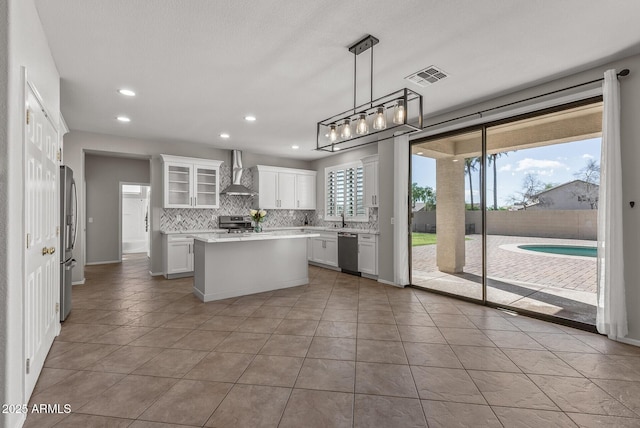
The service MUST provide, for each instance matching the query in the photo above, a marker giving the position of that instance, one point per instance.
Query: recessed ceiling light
(419, 153)
(456, 160)
(127, 92)
(250, 118)
(224, 135)
(294, 147)
(123, 119)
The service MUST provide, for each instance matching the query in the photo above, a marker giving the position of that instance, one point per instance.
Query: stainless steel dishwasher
(348, 252)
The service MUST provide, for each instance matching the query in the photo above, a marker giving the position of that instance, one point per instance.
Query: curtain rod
(622, 73)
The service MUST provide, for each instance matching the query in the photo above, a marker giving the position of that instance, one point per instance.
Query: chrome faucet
(343, 222)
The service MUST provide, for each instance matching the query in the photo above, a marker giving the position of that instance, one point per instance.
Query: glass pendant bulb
(362, 127)
(346, 130)
(379, 121)
(333, 134)
(399, 113)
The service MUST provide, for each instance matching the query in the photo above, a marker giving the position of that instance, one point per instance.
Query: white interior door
(42, 259)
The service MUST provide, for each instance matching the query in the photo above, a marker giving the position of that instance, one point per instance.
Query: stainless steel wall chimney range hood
(236, 188)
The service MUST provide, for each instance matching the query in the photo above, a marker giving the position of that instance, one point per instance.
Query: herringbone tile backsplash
(177, 219)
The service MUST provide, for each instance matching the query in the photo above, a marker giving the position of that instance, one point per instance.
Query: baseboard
(107, 262)
(156, 273)
(81, 282)
(384, 281)
(629, 341)
(324, 266)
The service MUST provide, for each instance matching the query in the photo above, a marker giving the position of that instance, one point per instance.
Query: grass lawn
(418, 239)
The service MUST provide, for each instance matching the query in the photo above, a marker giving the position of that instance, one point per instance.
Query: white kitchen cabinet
(306, 191)
(368, 253)
(370, 172)
(191, 182)
(324, 249)
(178, 255)
(284, 188)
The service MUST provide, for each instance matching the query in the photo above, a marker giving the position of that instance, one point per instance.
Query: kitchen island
(231, 265)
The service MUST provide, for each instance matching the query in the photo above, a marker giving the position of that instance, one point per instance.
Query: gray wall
(77, 143)
(630, 135)
(103, 175)
(22, 43)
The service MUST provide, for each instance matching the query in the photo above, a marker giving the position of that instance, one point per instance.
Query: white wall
(4, 199)
(28, 47)
(76, 143)
(630, 135)
(103, 175)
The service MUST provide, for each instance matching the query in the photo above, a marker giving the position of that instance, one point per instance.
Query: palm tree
(470, 165)
(492, 161)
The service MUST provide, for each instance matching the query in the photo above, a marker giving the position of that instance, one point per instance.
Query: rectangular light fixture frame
(412, 121)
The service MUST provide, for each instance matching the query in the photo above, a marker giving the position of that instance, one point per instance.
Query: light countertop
(275, 229)
(252, 236)
(192, 232)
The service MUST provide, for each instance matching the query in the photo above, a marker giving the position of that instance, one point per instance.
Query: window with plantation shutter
(345, 192)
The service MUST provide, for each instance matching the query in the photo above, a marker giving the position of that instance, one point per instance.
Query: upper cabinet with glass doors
(191, 182)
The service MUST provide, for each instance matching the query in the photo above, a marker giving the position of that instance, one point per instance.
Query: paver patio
(563, 286)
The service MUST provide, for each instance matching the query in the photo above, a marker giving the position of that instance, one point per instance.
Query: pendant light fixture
(362, 127)
(379, 121)
(337, 132)
(346, 133)
(399, 113)
(333, 133)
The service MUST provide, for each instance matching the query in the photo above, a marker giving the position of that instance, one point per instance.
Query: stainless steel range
(235, 223)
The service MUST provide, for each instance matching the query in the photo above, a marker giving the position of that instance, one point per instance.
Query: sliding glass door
(540, 175)
(543, 180)
(447, 214)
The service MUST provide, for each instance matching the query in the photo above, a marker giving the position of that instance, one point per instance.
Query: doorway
(134, 218)
(529, 245)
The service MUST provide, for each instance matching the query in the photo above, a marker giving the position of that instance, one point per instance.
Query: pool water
(567, 250)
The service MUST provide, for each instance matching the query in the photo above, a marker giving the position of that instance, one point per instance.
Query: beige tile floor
(342, 351)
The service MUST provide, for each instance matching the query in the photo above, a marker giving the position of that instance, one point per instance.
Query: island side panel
(231, 269)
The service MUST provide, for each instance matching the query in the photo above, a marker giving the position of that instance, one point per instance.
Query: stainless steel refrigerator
(68, 228)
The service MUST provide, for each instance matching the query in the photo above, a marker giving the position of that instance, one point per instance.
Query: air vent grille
(427, 76)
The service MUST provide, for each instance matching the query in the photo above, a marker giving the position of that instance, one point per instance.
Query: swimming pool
(567, 250)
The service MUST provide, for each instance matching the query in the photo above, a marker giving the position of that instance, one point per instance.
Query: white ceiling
(200, 66)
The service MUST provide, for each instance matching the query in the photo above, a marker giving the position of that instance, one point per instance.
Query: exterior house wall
(575, 195)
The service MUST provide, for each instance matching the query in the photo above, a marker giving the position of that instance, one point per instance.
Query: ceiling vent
(427, 76)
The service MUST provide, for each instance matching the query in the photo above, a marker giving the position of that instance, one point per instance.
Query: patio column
(450, 214)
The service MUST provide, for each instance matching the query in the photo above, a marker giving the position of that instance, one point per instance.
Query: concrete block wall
(564, 224)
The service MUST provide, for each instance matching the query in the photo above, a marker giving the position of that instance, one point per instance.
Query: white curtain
(611, 318)
(401, 210)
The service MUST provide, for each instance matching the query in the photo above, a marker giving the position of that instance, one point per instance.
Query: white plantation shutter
(345, 192)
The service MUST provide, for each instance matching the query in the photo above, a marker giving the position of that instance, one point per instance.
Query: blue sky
(554, 164)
